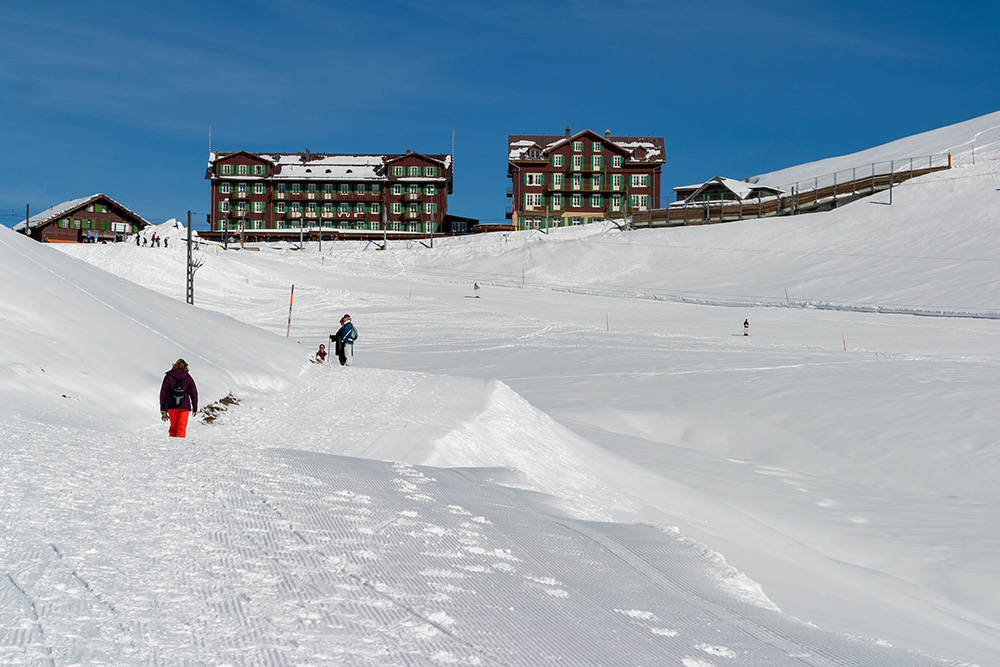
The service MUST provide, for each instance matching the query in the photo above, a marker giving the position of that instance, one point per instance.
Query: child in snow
(321, 353)
(178, 398)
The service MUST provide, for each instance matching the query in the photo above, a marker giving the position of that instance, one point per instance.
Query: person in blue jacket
(346, 337)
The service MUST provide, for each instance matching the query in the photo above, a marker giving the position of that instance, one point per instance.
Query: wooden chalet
(274, 196)
(723, 189)
(97, 218)
(582, 177)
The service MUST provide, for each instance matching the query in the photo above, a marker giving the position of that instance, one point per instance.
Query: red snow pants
(178, 422)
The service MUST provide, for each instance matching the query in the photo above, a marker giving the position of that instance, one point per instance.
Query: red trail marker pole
(291, 298)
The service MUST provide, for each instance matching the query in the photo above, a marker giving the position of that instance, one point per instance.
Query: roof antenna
(210, 139)
(453, 149)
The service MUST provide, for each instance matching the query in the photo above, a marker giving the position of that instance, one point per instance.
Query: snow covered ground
(588, 465)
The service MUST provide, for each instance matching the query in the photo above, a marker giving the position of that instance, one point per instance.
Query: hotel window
(616, 202)
(429, 208)
(596, 162)
(224, 206)
(577, 182)
(616, 182)
(616, 161)
(640, 201)
(577, 162)
(557, 181)
(376, 208)
(281, 188)
(533, 200)
(414, 208)
(296, 188)
(345, 189)
(328, 209)
(258, 188)
(227, 169)
(345, 207)
(557, 201)
(397, 189)
(558, 160)
(577, 146)
(430, 190)
(241, 189)
(328, 188)
(312, 188)
(414, 171)
(296, 207)
(430, 171)
(399, 171)
(595, 182)
(577, 201)
(279, 207)
(241, 209)
(359, 208)
(397, 208)
(376, 188)
(534, 179)
(312, 207)
(258, 207)
(414, 189)
(258, 170)
(225, 188)
(360, 188)
(595, 201)
(244, 169)
(640, 180)
(596, 147)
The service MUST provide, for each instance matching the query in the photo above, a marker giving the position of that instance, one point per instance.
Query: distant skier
(165, 239)
(178, 398)
(746, 327)
(138, 240)
(476, 287)
(346, 336)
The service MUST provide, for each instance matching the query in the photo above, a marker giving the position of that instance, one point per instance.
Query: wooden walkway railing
(822, 193)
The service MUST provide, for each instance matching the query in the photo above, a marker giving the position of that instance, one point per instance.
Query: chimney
(568, 134)
(407, 151)
(607, 134)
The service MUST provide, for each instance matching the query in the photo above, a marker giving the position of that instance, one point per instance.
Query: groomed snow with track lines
(588, 465)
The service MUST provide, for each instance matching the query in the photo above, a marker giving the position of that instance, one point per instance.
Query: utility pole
(190, 265)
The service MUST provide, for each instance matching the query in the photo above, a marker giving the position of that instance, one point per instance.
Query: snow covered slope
(590, 463)
(964, 141)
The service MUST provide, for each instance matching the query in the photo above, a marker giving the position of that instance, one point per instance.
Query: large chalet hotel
(282, 195)
(581, 178)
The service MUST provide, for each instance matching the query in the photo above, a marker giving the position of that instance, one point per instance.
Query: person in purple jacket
(178, 398)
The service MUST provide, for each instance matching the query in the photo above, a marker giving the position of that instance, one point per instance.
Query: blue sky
(117, 97)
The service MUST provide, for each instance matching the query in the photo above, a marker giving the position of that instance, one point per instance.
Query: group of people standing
(153, 241)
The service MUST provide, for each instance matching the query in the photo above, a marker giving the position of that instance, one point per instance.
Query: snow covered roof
(55, 212)
(639, 149)
(741, 189)
(326, 166)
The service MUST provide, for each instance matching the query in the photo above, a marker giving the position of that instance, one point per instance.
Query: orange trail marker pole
(291, 298)
(786, 295)
(844, 336)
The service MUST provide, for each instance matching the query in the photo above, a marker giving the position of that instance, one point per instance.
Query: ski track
(286, 557)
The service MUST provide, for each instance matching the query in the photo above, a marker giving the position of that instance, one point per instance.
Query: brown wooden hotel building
(270, 196)
(580, 178)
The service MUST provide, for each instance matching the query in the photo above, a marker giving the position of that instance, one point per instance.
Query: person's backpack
(178, 392)
(352, 335)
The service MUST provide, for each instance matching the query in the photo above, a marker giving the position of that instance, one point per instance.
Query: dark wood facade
(258, 196)
(97, 218)
(580, 178)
